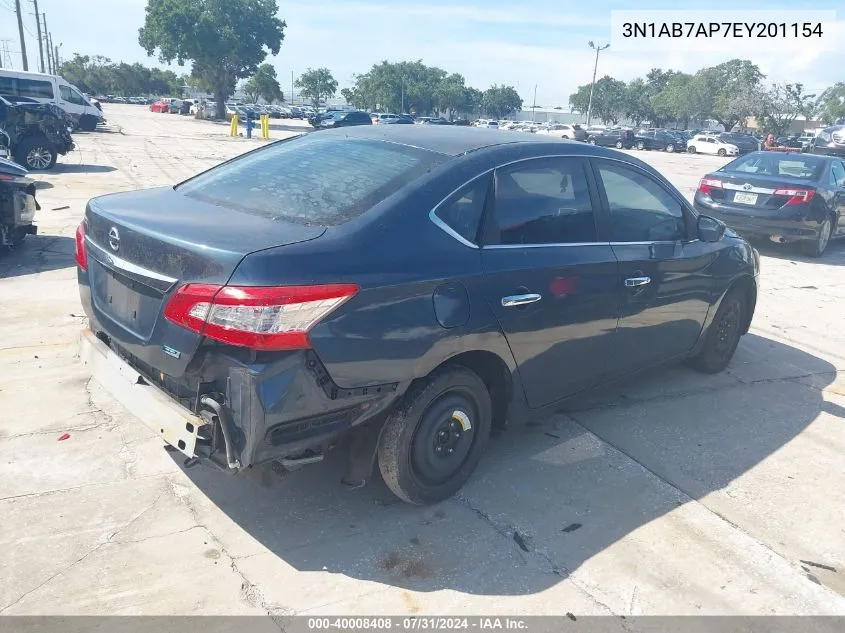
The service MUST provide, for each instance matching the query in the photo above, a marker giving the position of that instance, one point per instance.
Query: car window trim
(603, 211)
(689, 214)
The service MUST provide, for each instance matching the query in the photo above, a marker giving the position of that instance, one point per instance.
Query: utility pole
(40, 43)
(52, 55)
(598, 50)
(20, 31)
(49, 54)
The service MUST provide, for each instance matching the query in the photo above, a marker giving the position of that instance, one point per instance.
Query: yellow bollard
(233, 128)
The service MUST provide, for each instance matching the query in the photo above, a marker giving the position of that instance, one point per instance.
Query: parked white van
(50, 89)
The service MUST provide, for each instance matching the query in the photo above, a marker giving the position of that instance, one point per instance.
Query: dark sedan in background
(744, 142)
(658, 140)
(620, 139)
(406, 287)
(781, 197)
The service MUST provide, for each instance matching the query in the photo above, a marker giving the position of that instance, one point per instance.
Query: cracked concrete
(671, 493)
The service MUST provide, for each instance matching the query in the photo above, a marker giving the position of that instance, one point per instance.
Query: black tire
(722, 152)
(36, 153)
(817, 247)
(640, 146)
(88, 123)
(448, 411)
(618, 144)
(722, 336)
(691, 149)
(670, 148)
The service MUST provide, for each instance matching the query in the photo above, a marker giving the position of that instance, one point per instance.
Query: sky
(523, 43)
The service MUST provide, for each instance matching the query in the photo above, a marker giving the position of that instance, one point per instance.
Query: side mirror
(710, 229)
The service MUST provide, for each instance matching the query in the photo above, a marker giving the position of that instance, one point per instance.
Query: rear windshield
(769, 164)
(312, 179)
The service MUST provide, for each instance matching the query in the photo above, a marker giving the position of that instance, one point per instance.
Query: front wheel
(722, 152)
(88, 123)
(722, 336)
(691, 149)
(817, 247)
(432, 442)
(36, 154)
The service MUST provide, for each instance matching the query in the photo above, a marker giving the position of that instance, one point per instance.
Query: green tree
(636, 102)
(225, 40)
(784, 103)
(830, 106)
(501, 101)
(317, 84)
(737, 90)
(264, 84)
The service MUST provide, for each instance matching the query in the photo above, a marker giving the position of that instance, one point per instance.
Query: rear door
(664, 284)
(549, 281)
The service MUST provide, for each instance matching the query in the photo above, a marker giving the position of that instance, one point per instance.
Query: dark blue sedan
(406, 288)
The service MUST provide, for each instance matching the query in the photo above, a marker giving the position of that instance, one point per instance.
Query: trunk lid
(756, 192)
(144, 245)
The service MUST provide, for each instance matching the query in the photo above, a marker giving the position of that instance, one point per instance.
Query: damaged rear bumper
(175, 424)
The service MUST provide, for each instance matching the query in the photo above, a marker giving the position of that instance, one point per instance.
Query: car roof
(449, 140)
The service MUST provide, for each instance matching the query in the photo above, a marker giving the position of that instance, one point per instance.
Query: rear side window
(543, 201)
(462, 212)
(35, 89)
(641, 210)
(312, 180)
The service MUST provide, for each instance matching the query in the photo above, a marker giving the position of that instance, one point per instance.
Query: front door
(550, 283)
(664, 283)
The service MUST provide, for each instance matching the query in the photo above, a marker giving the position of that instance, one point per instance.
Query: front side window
(462, 212)
(543, 201)
(641, 209)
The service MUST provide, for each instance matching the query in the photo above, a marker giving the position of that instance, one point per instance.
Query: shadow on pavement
(834, 255)
(37, 254)
(80, 168)
(548, 497)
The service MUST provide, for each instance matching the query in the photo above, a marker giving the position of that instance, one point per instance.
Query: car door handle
(520, 300)
(634, 282)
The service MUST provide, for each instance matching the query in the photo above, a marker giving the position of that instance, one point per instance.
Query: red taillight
(261, 318)
(706, 185)
(81, 255)
(796, 196)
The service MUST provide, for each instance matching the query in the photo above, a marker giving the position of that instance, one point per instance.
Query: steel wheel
(444, 438)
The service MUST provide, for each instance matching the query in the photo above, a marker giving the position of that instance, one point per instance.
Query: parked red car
(162, 105)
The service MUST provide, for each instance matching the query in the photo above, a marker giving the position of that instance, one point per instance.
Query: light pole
(598, 50)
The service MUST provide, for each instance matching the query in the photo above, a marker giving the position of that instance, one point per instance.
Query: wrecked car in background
(17, 202)
(37, 133)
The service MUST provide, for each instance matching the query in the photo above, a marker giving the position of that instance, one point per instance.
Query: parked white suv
(707, 144)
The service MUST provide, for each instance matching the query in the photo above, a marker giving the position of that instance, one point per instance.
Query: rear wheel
(432, 443)
(817, 247)
(36, 153)
(722, 336)
(722, 152)
(691, 149)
